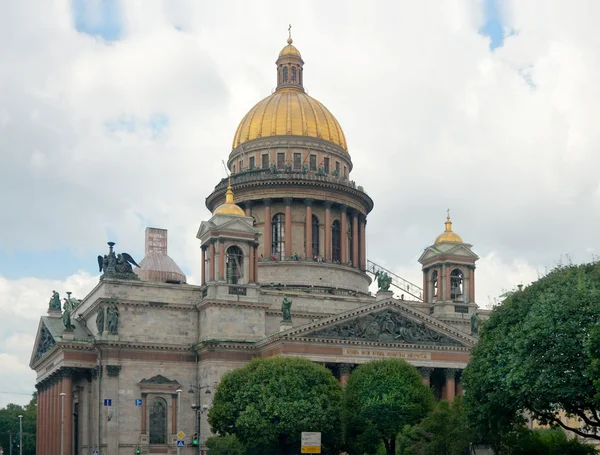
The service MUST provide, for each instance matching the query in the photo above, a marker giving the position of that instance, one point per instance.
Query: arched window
(434, 282)
(278, 246)
(235, 265)
(158, 421)
(336, 255)
(293, 74)
(285, 74)
(456, 284)
(315, 236)
(349, 244)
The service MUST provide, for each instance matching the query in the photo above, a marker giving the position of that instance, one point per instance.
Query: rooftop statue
(68, 308)
(286, 309)
(383, 281)
(118, 266)
(54, 303)
(475, 324)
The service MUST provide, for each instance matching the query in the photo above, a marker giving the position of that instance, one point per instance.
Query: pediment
(205, 226)
(238, 224)
(158, 383)
(159, 379)
(444, 250)
(389, 322)
(44, 342)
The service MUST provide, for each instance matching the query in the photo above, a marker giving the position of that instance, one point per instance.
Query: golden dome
(286, 112)
(229, 208)
(290, 49)
(448, 235)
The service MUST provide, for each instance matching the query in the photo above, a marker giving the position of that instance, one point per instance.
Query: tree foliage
(268, 404)
(225, 445)
(533, 357)
(381, 398)
(543, 441)
(9, 425)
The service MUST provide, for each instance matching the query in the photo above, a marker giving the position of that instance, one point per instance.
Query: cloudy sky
(115, 115)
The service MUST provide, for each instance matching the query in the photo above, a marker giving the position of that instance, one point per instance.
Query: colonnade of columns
(49, 413)
(444, 286)
(217, 268)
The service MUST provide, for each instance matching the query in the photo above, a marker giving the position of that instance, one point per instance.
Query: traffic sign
(311, 442)
(107, 402)
(95, 452)
(180, 443)
(180, 435)
(138, 402)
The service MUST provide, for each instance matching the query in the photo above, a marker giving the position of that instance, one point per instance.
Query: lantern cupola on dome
(448, 235)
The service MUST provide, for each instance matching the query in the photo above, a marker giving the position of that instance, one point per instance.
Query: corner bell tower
(449, 277)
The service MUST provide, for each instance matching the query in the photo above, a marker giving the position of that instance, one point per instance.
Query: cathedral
(134, 365)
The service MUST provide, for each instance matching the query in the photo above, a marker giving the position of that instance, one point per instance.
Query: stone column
(442, 283)
(363, 244)
(426, 374)
(39, 418)
(288, 226)
(255, 265)
(144, 405)
(425, 286)
(67, 388)
(221, 260)
(344, 234)
(203, 267)
(211, 265)
(54, 418)
(251, 264)
(344, 373)
(355, 235)
(471, 284)
(268, 230)
(174, 415)
(327, 231)
(248, 207)
(450, 383)
(308, 228)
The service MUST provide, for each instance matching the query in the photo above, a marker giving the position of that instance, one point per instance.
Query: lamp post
(178, 413)
(198, 409)
(20, 435)
(62, 423)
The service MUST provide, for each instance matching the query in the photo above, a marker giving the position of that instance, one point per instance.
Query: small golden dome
(229, 208)
(289, 112)
(448, 235)
(290, 50)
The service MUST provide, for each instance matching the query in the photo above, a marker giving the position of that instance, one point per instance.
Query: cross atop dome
(290, 66)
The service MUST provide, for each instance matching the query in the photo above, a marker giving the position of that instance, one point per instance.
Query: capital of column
(144, 395)
(450, 373)
(426, 371)
(343, 208)
(267, 202)
(248, 204)
(327, 204)
(309, 202)
(345, 368)
(66, 372)
(287, 200)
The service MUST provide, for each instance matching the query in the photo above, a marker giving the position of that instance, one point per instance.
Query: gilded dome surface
(290, 49)
(286, 112)
(229, 207)
(448, 235)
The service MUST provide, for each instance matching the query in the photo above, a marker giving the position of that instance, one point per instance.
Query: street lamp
(62, 423)
(199, 409)
(20, 435)
(178, 413)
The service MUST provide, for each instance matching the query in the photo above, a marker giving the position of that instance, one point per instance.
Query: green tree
(225, 445)
(381, 398)
(270, 402)
(9, 424)
(543, 441)
(532, 357)
(445, 431)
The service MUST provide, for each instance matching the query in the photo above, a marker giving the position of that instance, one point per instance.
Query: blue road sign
(95, 452)
(138, 402)
(107, 402)
(180, 443)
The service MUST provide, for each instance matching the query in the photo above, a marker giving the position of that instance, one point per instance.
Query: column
(54, 418)
(144, 401)
(327, 231)
(174, 415)
(450, 383)
(221, 260)
(344, 373)
(363, 243)
(255, 264)
(267, 230)
(67, 388)
(355, 235)
(344, 228)
(203, 267)
(248, 208)
(308, 228)
(425, 286)
(426, 375)
(46, 422)
(39, 419)
(448, 289)
(442, 283)
(288, 226)
(211, 261)
(251, 278)
(471, 284)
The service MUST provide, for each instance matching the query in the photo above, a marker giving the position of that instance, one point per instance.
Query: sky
(115, 115)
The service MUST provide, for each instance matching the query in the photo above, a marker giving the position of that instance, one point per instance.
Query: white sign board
(311, 442)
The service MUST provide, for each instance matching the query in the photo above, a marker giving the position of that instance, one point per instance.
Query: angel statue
(117, 265)
(383, 280)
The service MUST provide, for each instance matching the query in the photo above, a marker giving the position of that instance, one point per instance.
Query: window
(285, 74)
(278, 246)
(337, 167)
(265, 161)
(434, 282)
(345, 172)
(241, 165)
(158, 421)
(326, 165)
(293, 74)
(251, 163)
(233, 170)
(315, 236)
(335, 242)
(297, 161)
(456, 284)
(280, 160)
(313, 163)
(235, 265)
